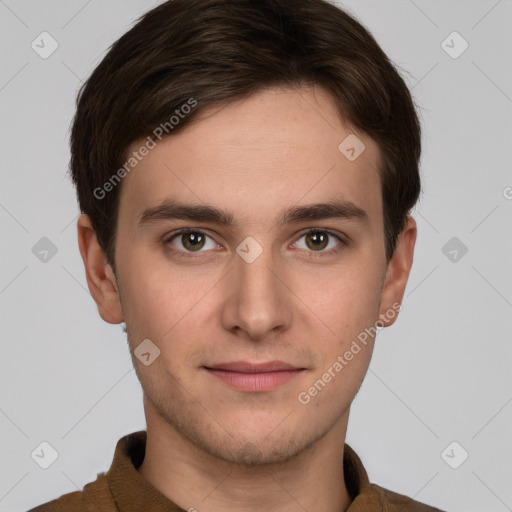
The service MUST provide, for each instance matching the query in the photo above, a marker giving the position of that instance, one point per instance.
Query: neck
(196, 480)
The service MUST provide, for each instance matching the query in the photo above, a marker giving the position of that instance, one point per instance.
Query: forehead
(277, 148)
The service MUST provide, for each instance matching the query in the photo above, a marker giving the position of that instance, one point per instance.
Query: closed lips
(247, 367)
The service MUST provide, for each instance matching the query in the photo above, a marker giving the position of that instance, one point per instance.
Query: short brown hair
(217, 51)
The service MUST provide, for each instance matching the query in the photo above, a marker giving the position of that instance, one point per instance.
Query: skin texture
(212, 447)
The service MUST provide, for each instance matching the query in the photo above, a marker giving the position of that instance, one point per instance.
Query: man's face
(210, 297)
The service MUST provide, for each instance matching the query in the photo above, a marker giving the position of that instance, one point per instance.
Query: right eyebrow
(175, 210)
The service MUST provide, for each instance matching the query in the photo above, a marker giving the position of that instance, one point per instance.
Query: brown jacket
(124, 489)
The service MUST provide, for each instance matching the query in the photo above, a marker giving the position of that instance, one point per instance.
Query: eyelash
(190, 254)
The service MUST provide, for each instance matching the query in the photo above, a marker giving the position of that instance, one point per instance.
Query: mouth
(254, 377)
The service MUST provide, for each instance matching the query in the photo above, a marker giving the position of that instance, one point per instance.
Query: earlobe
(101, 280)
(397, 274)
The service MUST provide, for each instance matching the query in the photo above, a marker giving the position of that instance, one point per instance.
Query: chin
(258, 450)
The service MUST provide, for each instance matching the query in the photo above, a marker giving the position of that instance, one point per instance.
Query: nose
(257, 301)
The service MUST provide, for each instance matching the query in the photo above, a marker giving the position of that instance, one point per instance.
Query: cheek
(151, 292)
(165, 305)
(346, 299)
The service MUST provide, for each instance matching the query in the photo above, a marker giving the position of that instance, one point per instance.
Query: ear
(397, 274)
(100, 276)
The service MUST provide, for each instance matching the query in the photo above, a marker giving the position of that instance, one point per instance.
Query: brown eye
(190, 241)
(317, 240)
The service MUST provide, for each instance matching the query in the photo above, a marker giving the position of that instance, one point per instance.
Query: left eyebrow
(171, 210)
(323, 211)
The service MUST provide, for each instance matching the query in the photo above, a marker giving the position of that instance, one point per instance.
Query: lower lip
(263, 381)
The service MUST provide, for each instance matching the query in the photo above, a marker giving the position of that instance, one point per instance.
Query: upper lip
(246, 367)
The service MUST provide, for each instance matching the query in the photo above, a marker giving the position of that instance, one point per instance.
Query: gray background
(442, 373)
